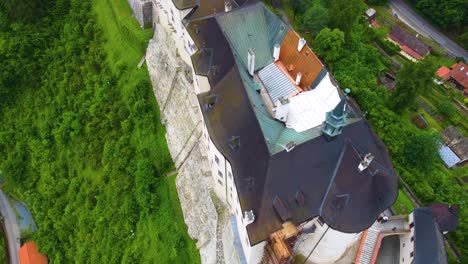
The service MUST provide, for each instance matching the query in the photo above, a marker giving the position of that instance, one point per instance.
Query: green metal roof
(253, 27)
(258, 28)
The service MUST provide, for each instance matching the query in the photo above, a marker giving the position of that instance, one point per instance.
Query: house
(28, 254)
(370, 13)
(459, 75)
(455, 148)
(443, 73)
(292, 158)
(411, 47)
(416, 238)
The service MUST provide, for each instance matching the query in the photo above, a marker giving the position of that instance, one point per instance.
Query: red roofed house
(459, 75)
(443, 73)
(29, 255)
(411, 47)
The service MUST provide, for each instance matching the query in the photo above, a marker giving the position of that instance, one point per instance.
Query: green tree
(329, 43)
(421, 152)
(344, 13)
(412, 80)
(315, 18)
(446, 108)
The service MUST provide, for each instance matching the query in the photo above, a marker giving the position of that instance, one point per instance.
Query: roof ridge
(347, 142)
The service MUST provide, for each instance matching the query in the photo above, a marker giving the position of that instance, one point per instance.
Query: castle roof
(324, 172)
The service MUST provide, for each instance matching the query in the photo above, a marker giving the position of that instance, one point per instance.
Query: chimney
(301, 44)
(249, 217)
(276, 51)
(251, 62)
(365, 162)
(227, 5)
(298, 78)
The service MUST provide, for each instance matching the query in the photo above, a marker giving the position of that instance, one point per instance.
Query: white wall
(221, 171)
(406, 245)
(327, 245)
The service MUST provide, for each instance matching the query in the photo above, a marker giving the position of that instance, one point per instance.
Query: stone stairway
(396, 225)
(369, 245)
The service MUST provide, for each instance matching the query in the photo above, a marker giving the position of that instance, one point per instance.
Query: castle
(292, 158)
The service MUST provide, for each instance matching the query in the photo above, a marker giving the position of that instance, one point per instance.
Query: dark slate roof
(410, 40)
(446, 216)
(324, 172)
(184, 4)
(428, 241)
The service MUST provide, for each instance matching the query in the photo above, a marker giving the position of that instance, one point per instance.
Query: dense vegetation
(3, 248)
(451, 15)
(347, 47)
(80, 138)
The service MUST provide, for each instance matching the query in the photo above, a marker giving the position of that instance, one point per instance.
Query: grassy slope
(92, 182)
(124, 44)
(403, 204)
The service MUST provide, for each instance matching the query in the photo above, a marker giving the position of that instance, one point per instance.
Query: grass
(403, 204)
(152, 238)
(125, 45)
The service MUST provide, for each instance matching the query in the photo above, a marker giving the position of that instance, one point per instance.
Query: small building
(370, 13)
(443, 73)
(411, 46)
(28, 254)
(459, 75)
(416, 238)
(455, 150)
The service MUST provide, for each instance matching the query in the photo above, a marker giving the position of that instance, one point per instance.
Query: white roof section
(370, 12)
(276, 82)
(308, 109)
(448, 156)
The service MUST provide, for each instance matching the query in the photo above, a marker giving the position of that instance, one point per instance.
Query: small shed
(457, 144)
(370, 13)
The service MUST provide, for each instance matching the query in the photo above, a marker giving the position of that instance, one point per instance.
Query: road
(11, 228)
(407, 15)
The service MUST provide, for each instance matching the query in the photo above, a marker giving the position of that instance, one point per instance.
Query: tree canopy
(329, 44)
(412, 80)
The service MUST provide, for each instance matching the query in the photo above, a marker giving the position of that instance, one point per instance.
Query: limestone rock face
(183, 121)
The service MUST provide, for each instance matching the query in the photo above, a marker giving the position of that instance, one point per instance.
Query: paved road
(11, 228)
(416, 22)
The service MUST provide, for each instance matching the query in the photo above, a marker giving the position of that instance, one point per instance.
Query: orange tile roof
(443, 72)
(29, 255)
(305, 62)
(411, 52)
(460, 74)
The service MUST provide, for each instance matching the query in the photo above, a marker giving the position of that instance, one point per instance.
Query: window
(230, 175)
(320, 221)
(411, 225)
(412, 254)
(403, 244)
(220, 174)
(220, 182)
(412, 238)
(216, 159)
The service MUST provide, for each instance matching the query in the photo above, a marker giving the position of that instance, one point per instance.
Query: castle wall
(172, 85)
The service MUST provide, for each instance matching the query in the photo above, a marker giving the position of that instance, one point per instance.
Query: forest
(347, 45)
(81, 142)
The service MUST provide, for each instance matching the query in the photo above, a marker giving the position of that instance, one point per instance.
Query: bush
(390, 48)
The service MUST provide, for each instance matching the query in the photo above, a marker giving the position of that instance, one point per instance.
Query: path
(411, 18)
(11, 228)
